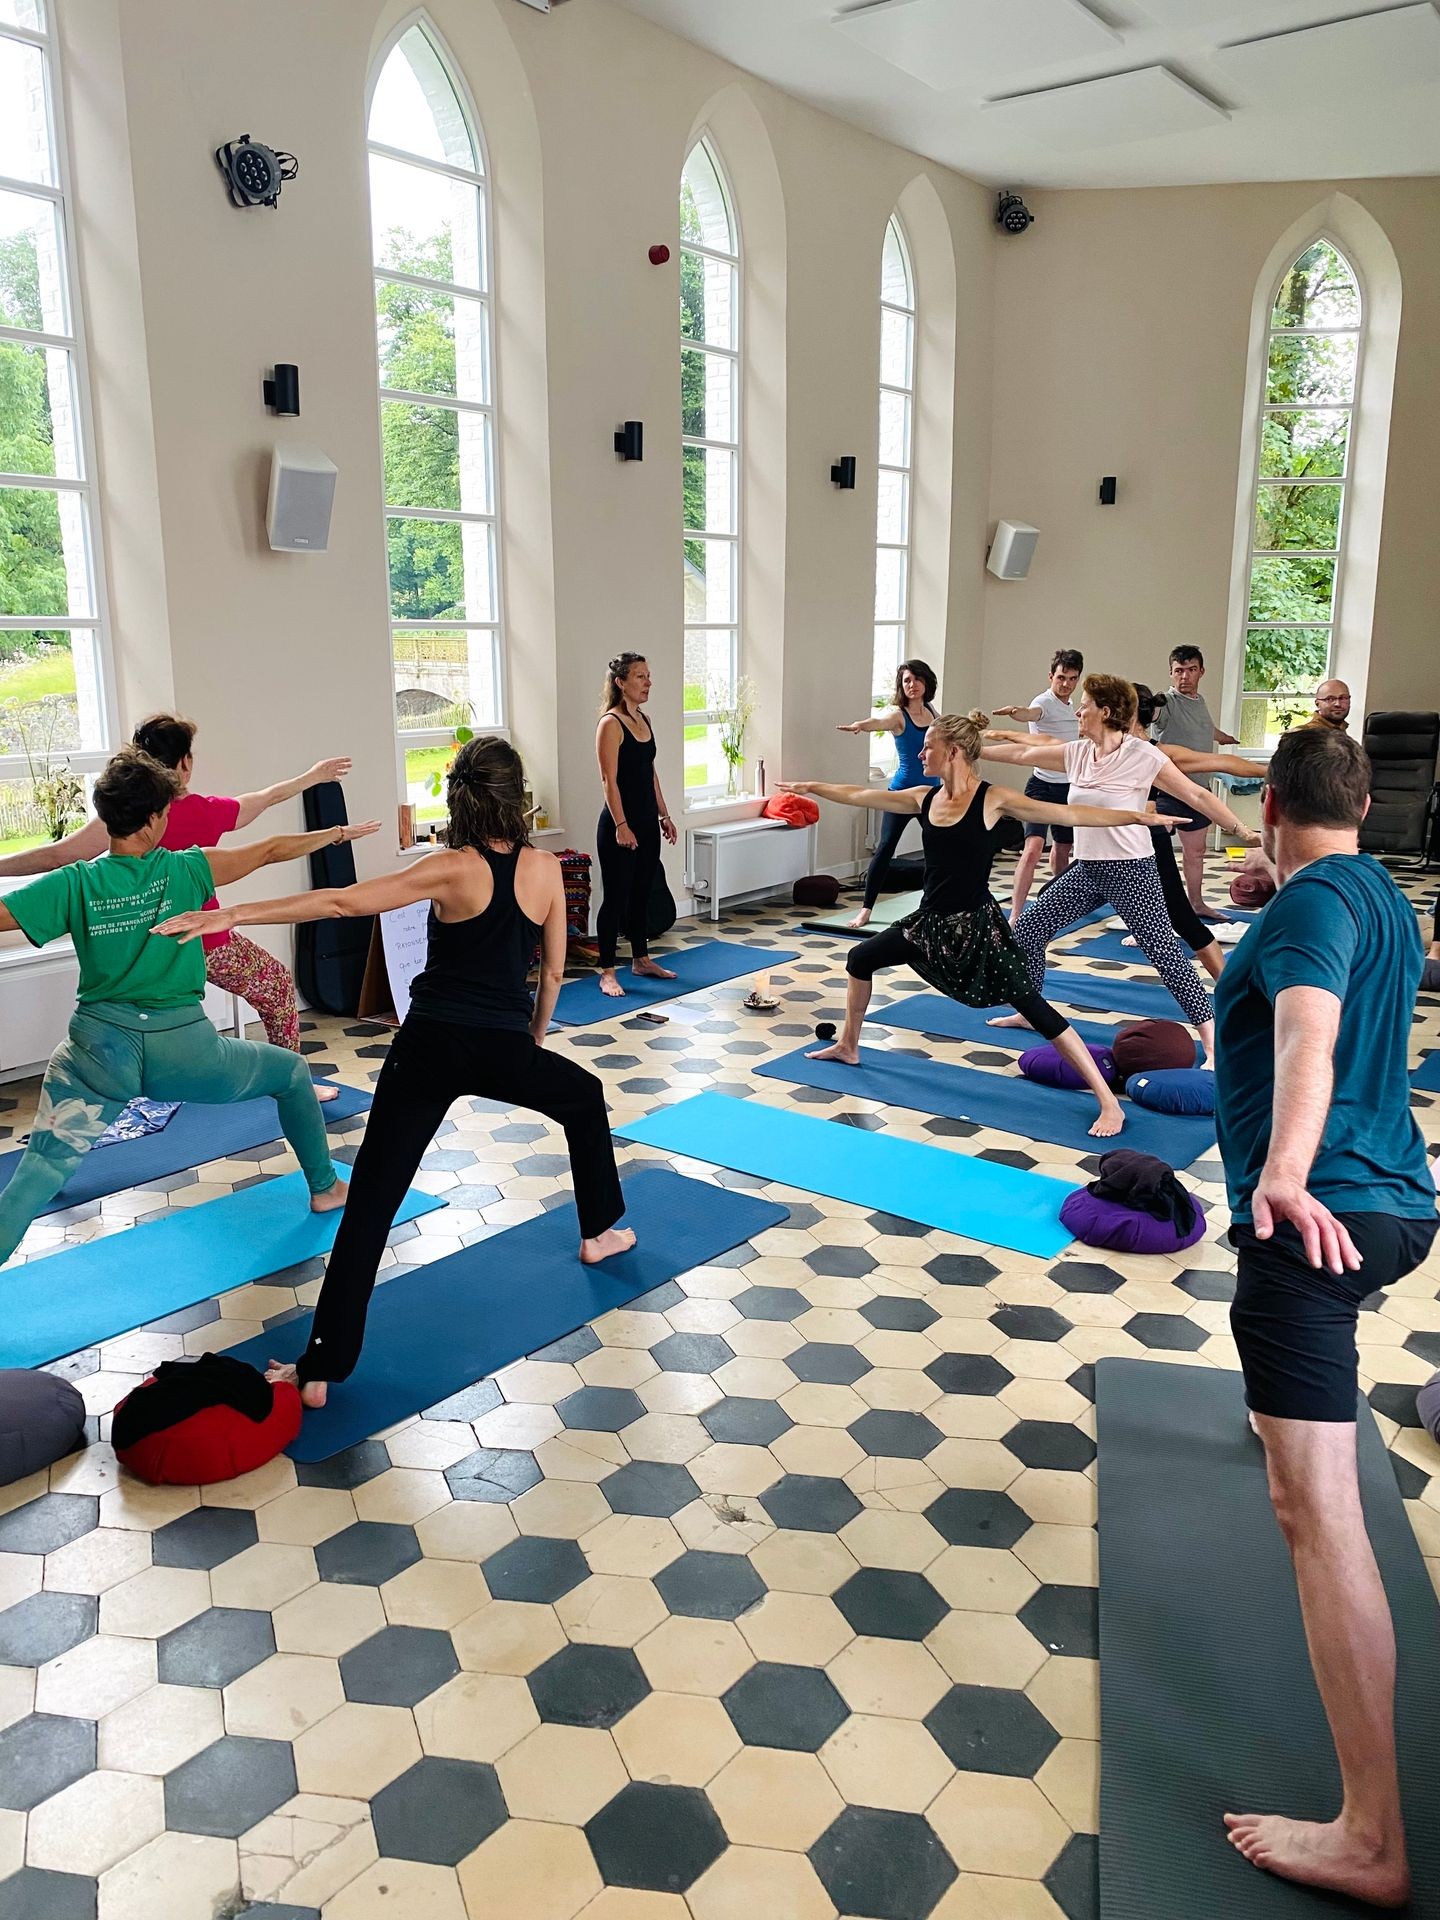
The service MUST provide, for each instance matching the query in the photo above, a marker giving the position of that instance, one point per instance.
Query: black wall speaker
(843, 471)
(630, 440)
(1107, 490)
(282, 393)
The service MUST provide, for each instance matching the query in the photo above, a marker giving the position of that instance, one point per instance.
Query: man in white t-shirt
(1050, 713)
(1186, 721)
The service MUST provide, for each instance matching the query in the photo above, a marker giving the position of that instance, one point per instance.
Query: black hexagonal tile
(710, 1586)
(978, 1373)
(900, 1313)
(991, 1730)
(651, 1487)
(367, 1554)
(470, 1402)
(811, 1503)
(588, 1686)
(1050, 1443)
(888, 1866)
(801, 1216)
(204, 1537)
(1086, 1276)
(216, 1647)
(1206, 1283)
(230, 1787)
(350, 1468)
(49, 1523)
(1169, 1330)
(1410, 1479)
(890, 1605)
(660, 1299)
(1083, 1380)
(642, 1084)
(42, 1754)
(600, 1409)
(961, 1270)
(896, 1224)
(945, 1128)
(775, 1705)
(1396, 1403)
(691, 1352)
(398, 1667)
(656, 1837)
(1065, 1620)
(846, 1263)
(570, 1347)
(494, 1474)
(519, 1133)
(33, 1894)
(771, 1303)
(977, 1517)
(745, 1422)
(828, 1363)
(1426, 1346)
(46, 1625)
(439, 1811)
(887, 1434)
(1009, 1157)
(1030, 1323)
(1073, 1882)
(267, 1911)
(535, 1568)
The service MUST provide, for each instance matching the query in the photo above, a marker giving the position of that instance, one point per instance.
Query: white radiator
(745, 856)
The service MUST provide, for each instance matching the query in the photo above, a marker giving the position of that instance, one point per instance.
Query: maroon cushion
(1105, 1223)
(1052, 1069)
(1251, 887)
(1151, 1046)
(816, 890)
(215, 1444)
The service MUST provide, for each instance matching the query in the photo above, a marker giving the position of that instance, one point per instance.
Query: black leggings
(1183, 917)
(892, 949)
(430, 1065)
(627, 875)
(892, 825)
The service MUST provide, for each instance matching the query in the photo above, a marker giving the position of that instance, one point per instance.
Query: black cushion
(42, 1418)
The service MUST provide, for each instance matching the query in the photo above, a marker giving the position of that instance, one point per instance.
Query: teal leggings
(116, 1052)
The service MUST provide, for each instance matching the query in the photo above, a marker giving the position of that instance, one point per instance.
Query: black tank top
(635, 776)
(474, 973)
(958, 858)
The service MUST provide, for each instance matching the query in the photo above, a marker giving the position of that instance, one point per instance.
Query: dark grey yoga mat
(1207, 1701)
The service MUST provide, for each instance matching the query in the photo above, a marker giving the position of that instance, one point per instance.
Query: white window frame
(412, 739)
(735, 626)
(1259, 482)
(87, 761)
(883, 753)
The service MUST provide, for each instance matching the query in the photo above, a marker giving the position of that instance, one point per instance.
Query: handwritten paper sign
(402, 935)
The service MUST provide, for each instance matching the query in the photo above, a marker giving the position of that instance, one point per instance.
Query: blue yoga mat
(1111, 946)
(1007, 1101)
(582, 1004)
(1112, 993)
(1427, 1075)
(196, 1134)
(933, 1014)
(445, 1325)
(82, 1295)
(982, 1199)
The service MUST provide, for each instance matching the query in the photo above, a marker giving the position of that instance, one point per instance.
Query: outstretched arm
(1004, 802)
(891, 721)
(88, 843)
(228, 864)
(1170, 780)
(1017, 713)
(252, 805)
(1190, 762)
(427, 879)
(882, 799)
(1022, 750)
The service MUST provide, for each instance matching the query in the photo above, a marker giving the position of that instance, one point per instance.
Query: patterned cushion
(1174, 1090)
(1051, 1069)
(1105, 1223)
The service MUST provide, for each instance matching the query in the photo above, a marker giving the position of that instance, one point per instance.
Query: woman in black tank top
(957, 939)
(471, 1029)
(632, 821)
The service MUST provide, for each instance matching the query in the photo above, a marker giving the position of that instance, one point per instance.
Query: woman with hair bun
(472, 1029)
(907, 719)
(957, 939)
(632, 821)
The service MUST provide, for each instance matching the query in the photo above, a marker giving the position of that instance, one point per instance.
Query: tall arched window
(430, 227)
(1297, 543)
(710, 434)
(892, 519)
(55, 707)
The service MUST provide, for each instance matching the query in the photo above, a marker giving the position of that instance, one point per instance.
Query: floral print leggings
(241, 967)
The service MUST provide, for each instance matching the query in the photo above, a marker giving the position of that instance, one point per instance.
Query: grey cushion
(1430, 976)
(42, 1418)
(1427, 1405)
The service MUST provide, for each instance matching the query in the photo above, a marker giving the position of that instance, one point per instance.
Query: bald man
(1332, 707)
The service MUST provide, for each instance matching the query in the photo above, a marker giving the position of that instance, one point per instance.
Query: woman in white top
(1109, 766)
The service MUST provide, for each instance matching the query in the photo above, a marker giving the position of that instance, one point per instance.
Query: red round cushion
(1152, 1046)
(1251, 887)
(218, 1443)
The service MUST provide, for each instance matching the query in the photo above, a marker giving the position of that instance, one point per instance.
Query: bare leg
(1112, 1114)
(1206, 1031)
(847, 1047)
(1192, 854)
(1316, 1492)
(1212, 958)
(1025, 873)
(1060, 856)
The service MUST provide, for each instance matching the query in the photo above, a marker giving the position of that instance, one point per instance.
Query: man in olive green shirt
(140, 1026)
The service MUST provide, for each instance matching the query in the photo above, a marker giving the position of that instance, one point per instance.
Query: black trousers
(430, 1065)
(892, 825)
(1183, 917)
(892, 949)
(626, 876)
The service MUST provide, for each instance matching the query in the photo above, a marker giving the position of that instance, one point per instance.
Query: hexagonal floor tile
(1073, 1881)
(884, 1604)
(657, 1837)
(709, 1586)
(535, 1568)
(204, 1537)
(588, 1685)
(991, 1730)
(890, 1866)
(398, 1667)
(969, 1373)
(600, 1409)
(46, 1625)
(1171, 1331)
(49, 1523)
(810, 1503)
(827, 1363)
(34, 1894)
(895, 1436)
(230, 1787)
(691, 1353)
(439, 1811)
(900, 1313)
(496, 1474)
(41, 1755)
(1065, 1619)
(746, 1422)
(651, 1487)
(214, 1648)
(977, 1517)
(1050, 1443)
(791, 1707)
(772, 1303)
(1030, 1323)
(352, 1467)
(367, 1554)
(961, 1269)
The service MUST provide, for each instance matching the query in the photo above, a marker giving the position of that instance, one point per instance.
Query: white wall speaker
(302, 492)
(1012, 549)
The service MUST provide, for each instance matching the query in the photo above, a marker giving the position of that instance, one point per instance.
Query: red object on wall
(659, 255)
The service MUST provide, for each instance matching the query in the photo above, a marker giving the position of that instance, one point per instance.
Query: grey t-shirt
(1057, 717)
(1184, 721)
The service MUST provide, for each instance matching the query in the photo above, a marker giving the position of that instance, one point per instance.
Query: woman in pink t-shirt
(1109, 766)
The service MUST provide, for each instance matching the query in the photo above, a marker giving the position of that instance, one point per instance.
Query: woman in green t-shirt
(140, 1026)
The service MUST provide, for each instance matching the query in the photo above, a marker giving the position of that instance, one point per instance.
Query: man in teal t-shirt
(140, 1026)
(1331, 1197)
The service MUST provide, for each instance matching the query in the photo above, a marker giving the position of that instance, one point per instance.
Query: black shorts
(1174, 809)
(1295, 1324)
(1055, 791)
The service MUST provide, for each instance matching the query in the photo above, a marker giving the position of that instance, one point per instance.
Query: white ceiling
(1104, 93)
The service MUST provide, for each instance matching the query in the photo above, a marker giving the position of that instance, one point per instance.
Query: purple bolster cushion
(1053, 1070)
(1105, 1223)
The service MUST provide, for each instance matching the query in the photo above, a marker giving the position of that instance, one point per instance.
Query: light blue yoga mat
(1007, 1101)
(82, 1295)
(582, 1004)
(982, 1199)
(454, 1321)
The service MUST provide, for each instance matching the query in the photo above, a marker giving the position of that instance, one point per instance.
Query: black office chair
(1404, 798)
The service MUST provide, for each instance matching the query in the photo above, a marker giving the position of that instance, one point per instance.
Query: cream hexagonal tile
(767, 1797)
(530, 1867)
(803, 1562)
(745, 1881)
(630, 1327)
(703, 1316)
(674, 1438)
(160, 1729)
(676, 1739)
(633, 1903)
(200, 1877)
(283, 1696)
(828, 1451)
(306, 1851)
(434, 1593)
(542, 1382)
(507, 1636)
(154, 1601)
(1056, 1497)
(131, 1503)
(577, 1455)
(977, 1896)
(525, 1424)
(465, 1530)
(986, 1650)
(753, 1376)
(561, 1509)
(897, 1389)
(264, 1576)
(763, 1340)
(971, 1416)
(95, 1677)
(562, 1774)
(87, 1827)
(248, 1490)
(399, 1890)
(95, 1562)
(795, 1629)
(431, 1443)
(634, 1544)
(1061, 1556)
(355, 1751)
(17, 1694)
(402, 1494)
(723, 1523)
(1043, 1400)
(733, 1469)
(982, 1579)
(610, 1609)
(305, 1516)
(904, 1541)
(1070, 1781)
(882, 1761)
(328, 1619)
(818, 1404)
(617, 1367)
(476, 1716)
(897, 1679)
(679, 1393)
(685, 1655)
(22, 1574)
(993, 1824)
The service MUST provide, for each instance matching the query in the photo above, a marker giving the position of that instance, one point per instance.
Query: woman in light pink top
(1115, 866)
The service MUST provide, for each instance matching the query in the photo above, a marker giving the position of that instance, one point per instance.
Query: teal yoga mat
(582, 1004)
(1007, 1101)
(982, 1199)
(82, 1295)
(452, 1322)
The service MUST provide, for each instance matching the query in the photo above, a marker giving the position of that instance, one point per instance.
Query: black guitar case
(330, 955)
(660, 917)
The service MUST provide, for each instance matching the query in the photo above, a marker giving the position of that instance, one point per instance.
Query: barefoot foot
(1323, 1854)
(648, 970)
(331, 1200)
(1111, 1120)
(312, 1393)
(609, 985)
(862, 918)
(850, 1056)
(326, 1093)
(604, 1246)
(1008, 1020)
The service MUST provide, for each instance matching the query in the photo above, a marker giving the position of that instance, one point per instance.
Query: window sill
(433, 846)
(726, 806)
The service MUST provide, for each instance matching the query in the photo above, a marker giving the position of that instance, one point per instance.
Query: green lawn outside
(34, 678)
